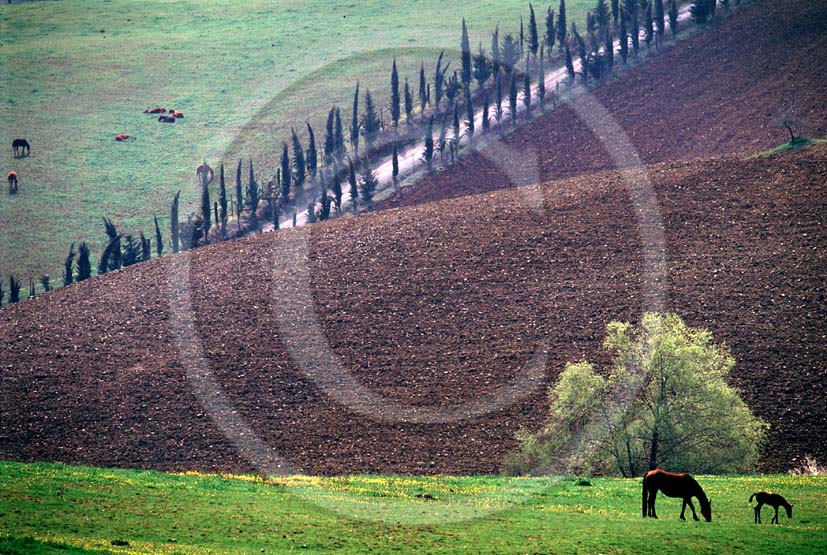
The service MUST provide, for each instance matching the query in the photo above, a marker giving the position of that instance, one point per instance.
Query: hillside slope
(428, 306)
(713, 94)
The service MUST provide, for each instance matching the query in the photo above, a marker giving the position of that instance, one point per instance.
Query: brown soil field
(715, 93)
(425, 307)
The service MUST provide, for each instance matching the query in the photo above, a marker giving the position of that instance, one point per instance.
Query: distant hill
(427, 307)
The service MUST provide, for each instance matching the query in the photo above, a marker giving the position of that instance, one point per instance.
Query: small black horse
(773, 500)
(20, 147)
(674, 485)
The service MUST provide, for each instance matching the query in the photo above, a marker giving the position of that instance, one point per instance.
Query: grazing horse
(205, 174)
(773, 500)
(20, 147)
(12, 177)
(674, 485)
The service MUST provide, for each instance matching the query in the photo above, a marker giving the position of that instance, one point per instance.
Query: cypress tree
(482, 69)
(312, 160)
(274, 198)
(14, 290)
(660, 23)
(285, 172)
(354, 190)
(615, 11)
(439, 79)
(700, 11)
(561, 26)
(486, 123)
(495, 51)
(339, 136)
(408, 102)
(456, 123)
(569, 64)
(206, 209)
(299, 164)
(541, 79)
(68, 274)
(337, 191)
(111, 257)
(369, 183)
(527, 88)
(533, 37)
(498, 109)
(510, 54)
(146, 247)
(32, 292)
(512, 96)
(253, 196)
(395, 164)
(584, 57)
(443, 134)
(395, 99)
(370, 122)
(648, 29)
(311, 212)
(673, 17)
(159, 240)
(239, 197)
(522, 40)
(550, 34)
(428, 154)
(84, 266)
(222, 204)
(634, 27)
(452, 88)
(469, 118)
(609, 51)
(174, 228)
(330, 138)
(465, 56)
(2, 292)
(602, 16)
(354, 126)
(624, 38)
(131, 250)
(725, 5)
(422, 89)
(45, 282)
(324, 211)
(215, 212)
(110, 229)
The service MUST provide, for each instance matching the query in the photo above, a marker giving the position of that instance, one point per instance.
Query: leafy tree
(370, 122)
(533, 37)
(408, 102)
(561, 26)
(299, 164)
(14, 290)
(510, 54)
(222, 205)
(354, 126)
(354, 190)
(550, 33)
(285, 172)
(395, 98)
(423, 95)
(311, 156)
(495, 51)
(311, 212)
(665, 402)
(512, 96)
(239, 198)
(68, 273)
(324, 209)
(465, 57)
(428, 154)
(369, 183)
(725, 5)
(159, 239)
(673, 17)
(482, 69)
(84, 266)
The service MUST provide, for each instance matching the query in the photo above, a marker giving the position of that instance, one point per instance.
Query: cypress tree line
(274, 198)
(408, 102)
(370, 123)
(584, 57)
(428, 153)
(239, 197)
(68, 274)
(215, 213)
(465, 56)
(299, 165)
(222, 205)
(423, 97)
(159, 240)
(174, 227)
(84, 266)
(311, 157)
(452, 88)
(512, 96)
(550, 34)
(395, 99)
(14, 290)
(561, 26)
(533, 37)
(673, 17)
(354, 126)
(285, 172)
(443, 135)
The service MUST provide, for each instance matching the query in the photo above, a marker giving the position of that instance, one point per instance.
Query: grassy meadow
(78, 72)
(52, 508)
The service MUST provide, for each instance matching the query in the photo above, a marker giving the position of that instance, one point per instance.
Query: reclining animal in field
(124, 137)
(156, 110)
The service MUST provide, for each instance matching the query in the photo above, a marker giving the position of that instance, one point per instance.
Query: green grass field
(52, 508)
(76, 73)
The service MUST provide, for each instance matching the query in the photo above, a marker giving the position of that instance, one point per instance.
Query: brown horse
(683, 486)
(20, 147)
(773, 500)
(12, 177)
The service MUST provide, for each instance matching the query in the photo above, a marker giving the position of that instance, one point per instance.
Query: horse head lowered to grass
(671, 484)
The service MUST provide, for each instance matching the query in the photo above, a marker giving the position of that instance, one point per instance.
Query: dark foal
(773, 500)
(20, 147)
(682, 486)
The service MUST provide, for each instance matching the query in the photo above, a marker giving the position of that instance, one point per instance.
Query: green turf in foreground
(52, 508)
(798, 142)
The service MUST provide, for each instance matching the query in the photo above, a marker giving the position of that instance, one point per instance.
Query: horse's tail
(751, 497)
(645, 498)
